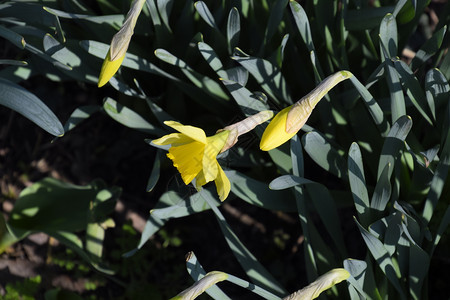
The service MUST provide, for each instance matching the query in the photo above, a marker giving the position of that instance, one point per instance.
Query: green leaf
(212, 59)
(398, 108)
(233, 29)
(436, 90)
(445, 221)
(72, 241)
(205, 83)
(13, 37)
(428, 49)
(195, 269)
(405, 10)
(164, 8)
(197, 272)
(258, 193)
(358, 183)
(268, 76)
(413, 89)
(327, 210)
(247, 101)
(382, 192)
(205, 14)
(254, 270)
(357, 269)
(419, 263)
(439, 178)
(301, 20)
(372, 106)
(59, 209)
(31, 107)
(79, 115)
(388, 35)
(59, 52)
(154, 175)
(298, 168)
(183, 206)
(275, 17)
(51, 205)
(129, 118)
(381, 255)
(13, 62)
(288, 181)
(366, 18)
(324, 154)
(113, 20)
(393, 144)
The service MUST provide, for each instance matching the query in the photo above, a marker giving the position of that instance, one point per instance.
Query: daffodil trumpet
(195, 155)
(291, 119)
(119, 44)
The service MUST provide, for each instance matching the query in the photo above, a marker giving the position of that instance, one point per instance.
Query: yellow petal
(214, 144)
(223, 185)
(275, 133)
(187, 159)
(109, 68)
(175, 139)
(194, 133)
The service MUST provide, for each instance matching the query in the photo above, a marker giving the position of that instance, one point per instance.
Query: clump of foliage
(377, 143)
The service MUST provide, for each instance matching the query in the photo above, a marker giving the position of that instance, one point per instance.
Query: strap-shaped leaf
(128, 117)
(358, 183)
(301, 20)
(382, 192)
(288, 181)
(372, 106)
(79, 115)
(413, 89)
(440, 176)
(212, 59)
(258, 193)
(436, 90)
(233, 29)
(247, 101)
(13, 37)
(428, 49)
(357, 269)
(389, 35)
(206, 14)
(164, 8)
(393, 143)
(205, 83)
(275, 17)
(254, 270)
(324, 154)
(381, 255)
(197, 272)
(31, 107)
(267, 75)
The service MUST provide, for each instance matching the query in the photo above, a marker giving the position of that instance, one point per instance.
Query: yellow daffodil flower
(119, 44)
(194, 155)
(321, 284)
(291, 119)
